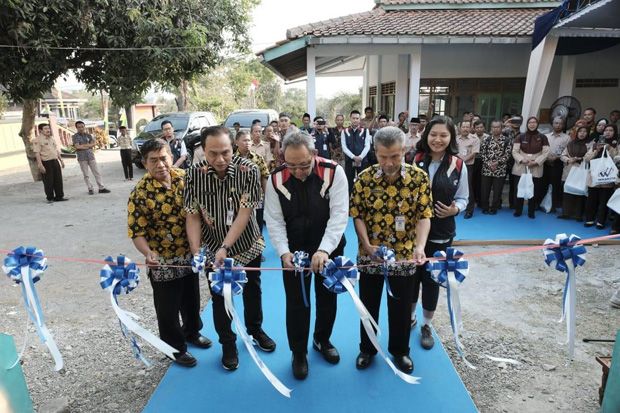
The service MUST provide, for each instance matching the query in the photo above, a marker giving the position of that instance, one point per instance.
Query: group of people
(50, 163)
(215, 206)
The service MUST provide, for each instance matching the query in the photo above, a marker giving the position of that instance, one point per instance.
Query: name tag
(399, 223)
(230, 215)
(325, 147)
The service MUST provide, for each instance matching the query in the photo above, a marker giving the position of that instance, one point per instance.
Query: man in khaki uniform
(49, 163)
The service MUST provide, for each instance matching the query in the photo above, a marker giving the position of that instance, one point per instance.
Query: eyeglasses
(302, 167)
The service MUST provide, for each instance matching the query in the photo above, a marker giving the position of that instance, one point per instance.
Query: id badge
(399, 222)
(230, 215)
(325, 147)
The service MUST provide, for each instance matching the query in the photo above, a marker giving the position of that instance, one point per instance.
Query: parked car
(187, 126)
(245, 117)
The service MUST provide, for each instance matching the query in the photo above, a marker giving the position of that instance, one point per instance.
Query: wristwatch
(224, 247)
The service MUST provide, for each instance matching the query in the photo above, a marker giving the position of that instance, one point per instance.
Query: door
(489, 107)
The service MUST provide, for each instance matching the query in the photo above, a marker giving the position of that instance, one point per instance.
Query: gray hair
(389, 136)
(296, 139)
(560, 118)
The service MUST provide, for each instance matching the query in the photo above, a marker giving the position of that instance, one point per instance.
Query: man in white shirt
(258, 146)
(355, 142)
(306, 209)
(553, 167)
(469, 147)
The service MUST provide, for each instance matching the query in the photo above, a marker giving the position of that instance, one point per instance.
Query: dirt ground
(511, 304)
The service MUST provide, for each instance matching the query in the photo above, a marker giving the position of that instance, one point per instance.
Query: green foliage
(27, 73)
(192, 35)
(199, 32)
(343, 103)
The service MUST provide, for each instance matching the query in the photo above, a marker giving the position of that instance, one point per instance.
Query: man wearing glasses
(306, 209)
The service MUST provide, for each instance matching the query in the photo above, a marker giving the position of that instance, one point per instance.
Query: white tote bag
(525, 189)
(577, 180)
(603, 170)
(614, 202)
(547, 202)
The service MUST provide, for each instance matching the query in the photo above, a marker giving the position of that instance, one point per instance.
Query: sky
(269, 26)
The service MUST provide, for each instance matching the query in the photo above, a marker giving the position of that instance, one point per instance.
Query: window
(388, 99)
(372, 97)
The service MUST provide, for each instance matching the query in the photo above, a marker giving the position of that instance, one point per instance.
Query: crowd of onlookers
(497, 155)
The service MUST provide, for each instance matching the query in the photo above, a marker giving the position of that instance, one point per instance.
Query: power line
(77, 48)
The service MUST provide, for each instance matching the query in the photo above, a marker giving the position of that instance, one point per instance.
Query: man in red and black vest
(355, 142)
(306, 209)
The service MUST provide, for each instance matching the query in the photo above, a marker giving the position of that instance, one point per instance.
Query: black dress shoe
(426, 338)
(185, 359)
(61, 199)
(230, 357)
(486, 211)
(363, 360)
(493, 212)
(300, 366)
(469, 215)
(200, 341)
(104, 191)
(327, 349)
(531, 215)
(516, 214)
(263, 341)
(403, 363)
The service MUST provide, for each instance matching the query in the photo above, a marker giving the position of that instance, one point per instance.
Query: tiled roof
(401, 2)
(465, 22)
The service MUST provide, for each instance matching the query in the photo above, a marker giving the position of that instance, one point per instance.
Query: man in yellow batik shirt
(156, 224)
(391, 205)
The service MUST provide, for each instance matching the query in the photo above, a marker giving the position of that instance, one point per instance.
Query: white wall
(604, 64)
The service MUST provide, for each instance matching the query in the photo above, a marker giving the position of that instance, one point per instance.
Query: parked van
(245, 117)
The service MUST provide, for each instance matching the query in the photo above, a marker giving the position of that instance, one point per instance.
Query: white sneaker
(615, 299)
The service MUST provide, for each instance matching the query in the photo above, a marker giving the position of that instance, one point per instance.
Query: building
(452, 56)
(64, 105)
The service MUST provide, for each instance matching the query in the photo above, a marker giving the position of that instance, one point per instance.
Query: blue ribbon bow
(301, 261)
(125, 271)
(199, 261)
(228, 275)
(25, 257)
(389, 258)
(453, 262)
(564, 248)
(336, 271)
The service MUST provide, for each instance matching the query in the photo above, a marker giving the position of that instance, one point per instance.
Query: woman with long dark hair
(437, 155)
(598, 130)
(530, 150)
(572, 205)
(596, 204)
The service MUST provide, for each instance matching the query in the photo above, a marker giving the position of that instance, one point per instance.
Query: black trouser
(531, 203)
(126, 161)
(596, 204)
(552, 175)
(298, 315)
(512, 179)
(471, 181)
(52, 180)
(252, 307)
(477, 178)
(260, 219)
(171, 298)
(487, 184)
(430, 289)
(351, 172)
(399, 311)
(573, 205)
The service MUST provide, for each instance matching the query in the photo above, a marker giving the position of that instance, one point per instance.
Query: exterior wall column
(378, 83)
(402, 73)
(415, 66)
(541, 59)
(365, 83)
(567, 76)
(311, 83)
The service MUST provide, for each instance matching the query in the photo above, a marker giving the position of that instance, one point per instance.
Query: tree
(31, 68)
(174, 42)
(170, 42)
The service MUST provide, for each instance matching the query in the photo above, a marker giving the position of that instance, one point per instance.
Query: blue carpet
(342, 388)
(504, 226)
